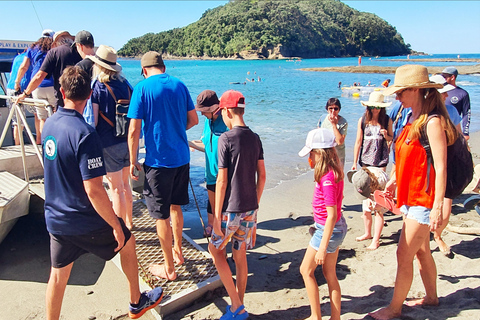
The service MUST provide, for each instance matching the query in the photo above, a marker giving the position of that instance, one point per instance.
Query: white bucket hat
(319, 138)
(376, 99)
(106, 57)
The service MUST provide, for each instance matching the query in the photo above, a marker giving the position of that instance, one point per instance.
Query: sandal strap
(238, 310)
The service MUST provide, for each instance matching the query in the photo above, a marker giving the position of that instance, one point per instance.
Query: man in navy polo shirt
(78, 212)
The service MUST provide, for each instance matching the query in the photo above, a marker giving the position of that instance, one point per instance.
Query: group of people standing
(423, 204)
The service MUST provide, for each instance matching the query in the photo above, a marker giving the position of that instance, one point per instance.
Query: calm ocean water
(288, 102)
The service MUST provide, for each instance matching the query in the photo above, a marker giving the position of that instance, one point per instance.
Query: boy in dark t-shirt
(78, 213)
(240, 182)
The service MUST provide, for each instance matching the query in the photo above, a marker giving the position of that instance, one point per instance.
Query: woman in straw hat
(422, 207)
(106, 72)
(374, 130)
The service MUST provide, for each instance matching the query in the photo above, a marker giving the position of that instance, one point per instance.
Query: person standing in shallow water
(334, 122)
(422, 207)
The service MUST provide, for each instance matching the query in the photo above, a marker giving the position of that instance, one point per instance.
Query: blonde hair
(433, 103)
(374, 185)
(328, 161)
(105, 75)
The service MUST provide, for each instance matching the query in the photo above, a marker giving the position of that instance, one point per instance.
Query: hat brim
(376, 104)
(305, 150)
(112, 67)
(425, 85)
(350, 174)
(213, 108)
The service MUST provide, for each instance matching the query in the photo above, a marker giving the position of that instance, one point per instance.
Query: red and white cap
(232, 99)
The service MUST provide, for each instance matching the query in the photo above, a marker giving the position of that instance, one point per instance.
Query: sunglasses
(371, 108)
(334, 109)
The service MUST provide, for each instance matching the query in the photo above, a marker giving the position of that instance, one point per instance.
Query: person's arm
(388, 133)
(192, 118)
(339, 137)
(34, 83)
(133, 136)
(95, 108)
(21, 72)
(438, 144)
(466, 117)
(261, 178)
(101, 203)
(327, 234)
(358, 144)
(220, 188)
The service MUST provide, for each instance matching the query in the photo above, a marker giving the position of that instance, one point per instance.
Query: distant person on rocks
(458, 98)
(330, 225)
(337, 124)
(208, 105)
(78, 213)
(240, 182)
(56, 60)
(109, 87)
(35, 55)
(164, 105)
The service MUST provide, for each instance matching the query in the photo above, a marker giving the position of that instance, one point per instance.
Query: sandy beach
(98, 290)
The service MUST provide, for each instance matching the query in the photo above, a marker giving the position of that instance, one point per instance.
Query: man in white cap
(459, 98)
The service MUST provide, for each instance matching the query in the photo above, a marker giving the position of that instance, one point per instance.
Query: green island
(274, 29)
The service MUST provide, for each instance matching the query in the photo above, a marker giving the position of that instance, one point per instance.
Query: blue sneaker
(235, 315)
(148, 300)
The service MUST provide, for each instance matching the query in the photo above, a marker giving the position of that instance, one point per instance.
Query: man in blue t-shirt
(78, 212)
(164, 105)
(459, 98)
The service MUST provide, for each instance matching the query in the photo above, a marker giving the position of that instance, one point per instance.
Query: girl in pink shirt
(330, 225)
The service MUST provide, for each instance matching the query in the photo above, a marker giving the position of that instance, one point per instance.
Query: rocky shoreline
(475, 69)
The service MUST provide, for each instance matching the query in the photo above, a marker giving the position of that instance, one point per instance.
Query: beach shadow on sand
(25, 255)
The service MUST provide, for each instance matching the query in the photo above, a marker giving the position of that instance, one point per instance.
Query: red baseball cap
(231, 99)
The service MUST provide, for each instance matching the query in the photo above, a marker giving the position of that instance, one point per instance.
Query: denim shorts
(116, 157)
(418, 213)
(338, 234)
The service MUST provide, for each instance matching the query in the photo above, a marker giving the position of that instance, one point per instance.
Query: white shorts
(44, 93)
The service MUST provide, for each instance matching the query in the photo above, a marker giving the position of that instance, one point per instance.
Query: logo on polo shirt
(95, 163)
(454, 100)
(50, 146)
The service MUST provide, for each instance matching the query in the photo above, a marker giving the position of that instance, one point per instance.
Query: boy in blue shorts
(240, 182)
(208, 104)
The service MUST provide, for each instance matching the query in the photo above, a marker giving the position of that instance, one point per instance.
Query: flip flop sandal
(471, 202)
(382, 199)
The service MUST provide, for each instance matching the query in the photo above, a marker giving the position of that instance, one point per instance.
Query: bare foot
(374, 245)
(422, 302)
(160, 270)
(178, 257)
(384, 314)
(363, 237)
(443, 247)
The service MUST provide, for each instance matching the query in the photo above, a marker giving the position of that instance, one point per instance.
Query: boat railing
(21, 119)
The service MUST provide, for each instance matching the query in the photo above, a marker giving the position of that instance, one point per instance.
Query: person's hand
(436, 217)
(390, 187)
(320, 256)
(119, 237)
(384, 132)
(354, 167)
(217, 227)
(466, 138)
(135, 168)
(20, 98)
(333, 119)
(17, 87)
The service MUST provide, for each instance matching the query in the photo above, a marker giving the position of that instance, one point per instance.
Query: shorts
(66, 249)
(210, 187)
(116, 157)
(164, 187)
(11, 92)
(44, 93)
(418, 213)
(238, 227)
(369, 204)
(338, 234)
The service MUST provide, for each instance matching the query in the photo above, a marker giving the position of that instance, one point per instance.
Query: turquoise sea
(288, 102)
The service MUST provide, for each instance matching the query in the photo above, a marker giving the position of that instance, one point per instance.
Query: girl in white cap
(330, 225)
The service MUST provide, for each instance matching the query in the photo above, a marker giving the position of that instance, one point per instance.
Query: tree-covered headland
(275, 29)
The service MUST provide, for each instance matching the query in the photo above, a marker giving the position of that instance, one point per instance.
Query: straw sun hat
(106, 57)
(411, 76)
(376, 99)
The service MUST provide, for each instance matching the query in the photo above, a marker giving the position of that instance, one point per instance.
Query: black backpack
(459, 163)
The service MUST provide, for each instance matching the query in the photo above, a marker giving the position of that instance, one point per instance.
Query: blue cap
(450, 70)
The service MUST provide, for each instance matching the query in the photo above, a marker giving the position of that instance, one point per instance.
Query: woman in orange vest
(420, 201)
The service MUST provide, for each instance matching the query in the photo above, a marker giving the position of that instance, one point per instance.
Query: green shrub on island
(276, 29)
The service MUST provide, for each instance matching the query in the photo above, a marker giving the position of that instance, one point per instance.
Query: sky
(428, 26)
